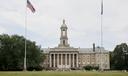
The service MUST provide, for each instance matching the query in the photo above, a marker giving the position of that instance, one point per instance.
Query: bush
(96, 67)
(74, 68)
(89, 67)
(37, 68)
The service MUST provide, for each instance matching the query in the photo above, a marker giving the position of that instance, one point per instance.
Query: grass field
(72, 73)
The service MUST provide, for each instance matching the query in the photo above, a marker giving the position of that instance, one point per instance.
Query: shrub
(89, 67)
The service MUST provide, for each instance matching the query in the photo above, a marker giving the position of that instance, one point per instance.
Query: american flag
(30, 6)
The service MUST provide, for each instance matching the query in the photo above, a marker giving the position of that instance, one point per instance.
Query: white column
(77, 60)
(50, 60)
(73, 60)
(57, 60)
(70, 60)
(65, 59)
(61, 59)
(54, 60)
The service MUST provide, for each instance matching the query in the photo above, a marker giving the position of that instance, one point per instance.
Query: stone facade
(66, 57)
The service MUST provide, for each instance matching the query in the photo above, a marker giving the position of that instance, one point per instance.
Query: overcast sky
(82, 18)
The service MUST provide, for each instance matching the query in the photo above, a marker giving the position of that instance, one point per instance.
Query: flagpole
(25, 67)
(101, 35)
(101, 49)
(30, 6)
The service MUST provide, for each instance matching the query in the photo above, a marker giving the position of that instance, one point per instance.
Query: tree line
(12, 53)
(119, 57)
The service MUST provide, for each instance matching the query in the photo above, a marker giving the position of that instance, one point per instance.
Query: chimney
(93, 47)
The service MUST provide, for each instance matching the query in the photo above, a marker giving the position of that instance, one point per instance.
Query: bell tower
(63, 37)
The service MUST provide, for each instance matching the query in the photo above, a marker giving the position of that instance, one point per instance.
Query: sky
(83, 19)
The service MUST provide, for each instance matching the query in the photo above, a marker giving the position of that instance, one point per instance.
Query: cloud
(82, 18)
(2, 30)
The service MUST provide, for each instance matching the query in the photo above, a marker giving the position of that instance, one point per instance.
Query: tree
(119, 57)
(12, 53)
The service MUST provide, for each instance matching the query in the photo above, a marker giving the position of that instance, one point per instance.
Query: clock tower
(63, 37)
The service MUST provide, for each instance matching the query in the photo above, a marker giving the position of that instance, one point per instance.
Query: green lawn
(72, 73)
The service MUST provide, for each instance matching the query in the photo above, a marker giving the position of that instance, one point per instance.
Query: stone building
(65, 57)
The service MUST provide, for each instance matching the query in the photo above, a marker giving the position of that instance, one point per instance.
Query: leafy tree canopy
(12, 53)
(119, 57)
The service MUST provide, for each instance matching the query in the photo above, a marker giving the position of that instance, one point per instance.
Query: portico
(63, 60)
